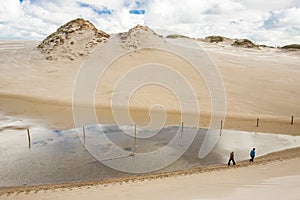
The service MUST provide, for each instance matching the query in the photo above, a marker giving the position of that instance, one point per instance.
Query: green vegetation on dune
(215, 39)
(173, 36)
(291, 46)
(245, 43)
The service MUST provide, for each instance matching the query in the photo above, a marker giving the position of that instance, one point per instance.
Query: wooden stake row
(292, 121)
(221, 129)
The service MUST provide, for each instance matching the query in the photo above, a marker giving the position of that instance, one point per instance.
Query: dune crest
(75, 38)
(217, 39)
(140, 37)
(245, 43)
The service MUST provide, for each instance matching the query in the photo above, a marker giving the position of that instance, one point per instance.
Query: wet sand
(226, 180)
(55, 115)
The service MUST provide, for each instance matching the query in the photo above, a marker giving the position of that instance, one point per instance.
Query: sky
(273, 22)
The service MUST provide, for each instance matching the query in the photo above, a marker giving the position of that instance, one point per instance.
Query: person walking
(231, 158)
(252, 155)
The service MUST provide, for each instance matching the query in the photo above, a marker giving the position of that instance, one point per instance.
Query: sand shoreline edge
(60, 116)
(279, 156)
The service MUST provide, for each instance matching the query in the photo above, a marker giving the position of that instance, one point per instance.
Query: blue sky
(101, 11)
(274, 22)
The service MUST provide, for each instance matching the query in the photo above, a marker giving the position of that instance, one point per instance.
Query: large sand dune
(260, 83)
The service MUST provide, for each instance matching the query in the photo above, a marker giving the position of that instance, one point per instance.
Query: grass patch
(245, 43)
(174, 36)
(291, 46)
(215, 39)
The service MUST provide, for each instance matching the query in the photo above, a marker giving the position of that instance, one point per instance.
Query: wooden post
(221, 127)
(182, 127)
(292, 120)
(134, 142)
(28, 136)
(181, 130)
(257, 122)
(83, 130)
(134, 135)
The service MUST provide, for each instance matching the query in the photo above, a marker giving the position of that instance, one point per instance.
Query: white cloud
(274, 23)
(9, 10)
(283, 19)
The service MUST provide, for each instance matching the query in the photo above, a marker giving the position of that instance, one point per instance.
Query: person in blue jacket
(252, 155)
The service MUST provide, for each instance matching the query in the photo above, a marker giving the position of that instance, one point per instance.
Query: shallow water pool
(77, 155)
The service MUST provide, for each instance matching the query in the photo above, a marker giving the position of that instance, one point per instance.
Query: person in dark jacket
(231, 158)
(252, 155)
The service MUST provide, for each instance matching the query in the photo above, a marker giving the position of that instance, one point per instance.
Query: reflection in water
(60, 156)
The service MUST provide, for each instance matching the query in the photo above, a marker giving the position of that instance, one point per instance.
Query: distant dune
(292, 47)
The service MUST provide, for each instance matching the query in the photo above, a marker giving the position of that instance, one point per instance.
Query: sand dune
(258, 83)
(76, 38)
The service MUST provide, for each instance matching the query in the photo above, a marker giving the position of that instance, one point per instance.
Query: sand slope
(258, 83)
